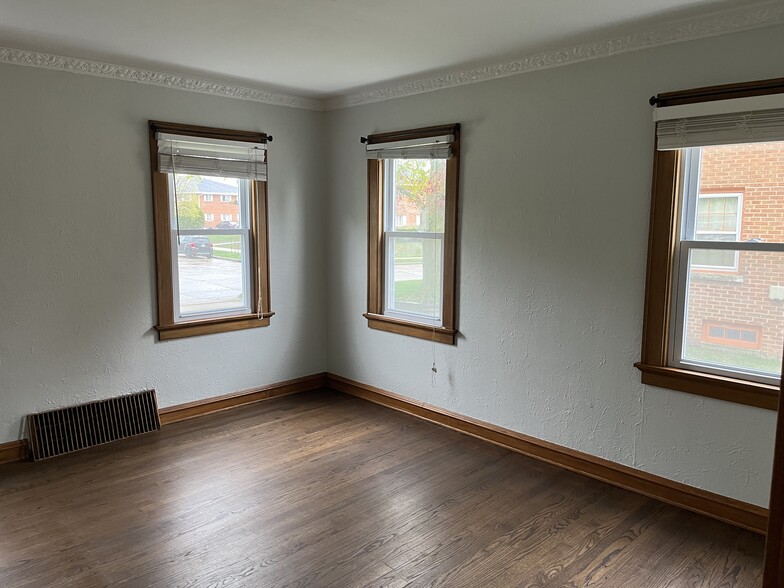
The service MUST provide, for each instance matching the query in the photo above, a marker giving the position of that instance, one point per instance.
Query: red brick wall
(216, 208)
(725, 297)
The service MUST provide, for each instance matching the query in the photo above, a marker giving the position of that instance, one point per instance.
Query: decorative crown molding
(153, 78)
(768, 13)
(732, 21)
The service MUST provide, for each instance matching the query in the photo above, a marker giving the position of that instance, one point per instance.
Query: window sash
(389, 277)
(389, 233)
(680, 291)
(245, 253)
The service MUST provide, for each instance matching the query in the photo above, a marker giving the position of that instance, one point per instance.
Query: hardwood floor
(322, 489)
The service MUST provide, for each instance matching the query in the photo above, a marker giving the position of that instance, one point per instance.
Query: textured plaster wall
(556, 173)
(77, 271)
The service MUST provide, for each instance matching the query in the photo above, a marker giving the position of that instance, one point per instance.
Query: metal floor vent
(77, 427)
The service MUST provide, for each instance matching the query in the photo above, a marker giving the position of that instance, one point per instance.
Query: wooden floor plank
(326, 490)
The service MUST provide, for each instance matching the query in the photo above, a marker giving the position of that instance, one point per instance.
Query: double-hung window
(212, 277)
(412, 187)
(714, 309)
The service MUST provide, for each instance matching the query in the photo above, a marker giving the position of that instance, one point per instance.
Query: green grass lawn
(226, 255)
(740, 358)
(224, 239)
(232, 243)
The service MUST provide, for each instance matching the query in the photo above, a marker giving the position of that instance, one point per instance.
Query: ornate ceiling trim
(732, 21)
(154, 78)
(743, 19)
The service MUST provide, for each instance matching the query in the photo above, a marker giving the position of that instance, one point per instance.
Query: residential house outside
(736, 299)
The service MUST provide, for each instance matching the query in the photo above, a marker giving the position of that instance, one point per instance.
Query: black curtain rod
(760, 88)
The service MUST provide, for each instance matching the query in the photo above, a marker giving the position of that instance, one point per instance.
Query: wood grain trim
(375, 268)
(13, 451)
(451, 205)
(260, 236)
(393, 325)
(773, 575)
(723, 92)
(211, 132)
(180, 412)
(661, 253)
(167, 328)
(408, 134)
(654, 356)
(212, 326)
(376, 258)
(713, 386)
(729, 510)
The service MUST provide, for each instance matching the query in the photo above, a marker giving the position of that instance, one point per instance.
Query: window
(207, 198)
(226, 217)
(226, 198)
(714, 319)
(740, 336)
(210, 280)
(717, 219)
(412, 215)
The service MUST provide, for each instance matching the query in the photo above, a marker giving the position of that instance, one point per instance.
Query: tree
(189, 214)
(422, 182)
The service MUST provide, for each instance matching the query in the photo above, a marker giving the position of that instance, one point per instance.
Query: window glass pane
(211, 273)
(414, 276)
(735, 321)
(207, 202)
(717, 214)
(741, 193)
(716, 259)
(420, 195)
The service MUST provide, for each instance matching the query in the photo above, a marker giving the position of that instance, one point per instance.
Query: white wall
(556, 174)
(77, 271)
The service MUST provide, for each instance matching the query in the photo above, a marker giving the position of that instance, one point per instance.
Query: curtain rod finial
(654, 101)
(363, 139)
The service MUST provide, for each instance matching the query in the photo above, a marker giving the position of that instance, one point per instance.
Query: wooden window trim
(447, 333)
(665, 207)
(167, 327)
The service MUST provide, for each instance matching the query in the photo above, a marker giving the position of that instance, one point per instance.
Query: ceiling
(324, 48)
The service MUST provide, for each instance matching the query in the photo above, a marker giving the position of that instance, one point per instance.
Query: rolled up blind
(211, 157)
(424, 148)
(723, 122)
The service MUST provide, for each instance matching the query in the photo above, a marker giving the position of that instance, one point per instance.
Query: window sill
(401, 327)
(720, 387)
(211, 326)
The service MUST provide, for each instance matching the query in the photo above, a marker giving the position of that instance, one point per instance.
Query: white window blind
(423, 148)
(722, 122)
(214, 157)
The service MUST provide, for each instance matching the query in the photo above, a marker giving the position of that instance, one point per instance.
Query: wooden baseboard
(729, 510)
(17, 450)
(181, 412)
(13, 451)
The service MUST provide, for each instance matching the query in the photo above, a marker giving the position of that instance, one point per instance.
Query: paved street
(208, 284)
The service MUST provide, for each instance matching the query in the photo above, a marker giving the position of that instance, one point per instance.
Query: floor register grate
(69, 429)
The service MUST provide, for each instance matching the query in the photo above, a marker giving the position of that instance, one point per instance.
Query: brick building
(218, 201)
(736, 299)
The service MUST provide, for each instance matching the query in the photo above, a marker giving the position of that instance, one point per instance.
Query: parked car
(193, 245)
(226, 225)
